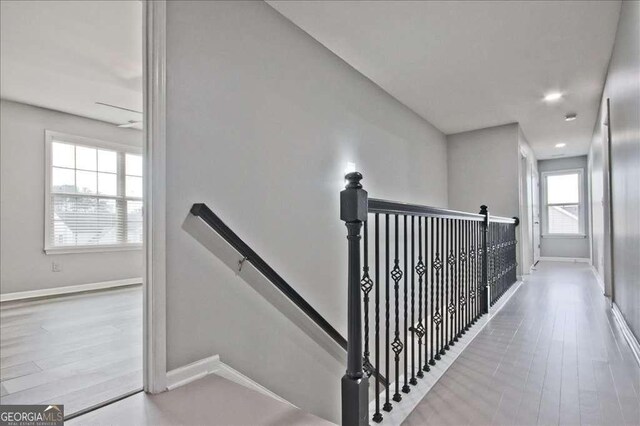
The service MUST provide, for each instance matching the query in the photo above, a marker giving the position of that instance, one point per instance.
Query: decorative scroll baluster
(377, 416)
(405, 388)
(413, 380)
(366, 284)
(432, 271)
(440, 315)
(397, 346)
(451, 261)
(426, 367)
(462, 260)
(387, 403)
(419, 328)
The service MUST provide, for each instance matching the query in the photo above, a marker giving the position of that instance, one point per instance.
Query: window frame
(122, 149)
(581, 204)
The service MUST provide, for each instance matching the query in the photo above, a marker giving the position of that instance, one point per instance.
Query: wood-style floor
(552, 356)
(77, 350)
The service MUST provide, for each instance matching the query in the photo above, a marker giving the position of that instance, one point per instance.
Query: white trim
(92, 249)
(565, 259)
(581, 203)
(599, 278)
(626, 331)
(410, 400)
(80, 288)
(155, 315)
(213, 365)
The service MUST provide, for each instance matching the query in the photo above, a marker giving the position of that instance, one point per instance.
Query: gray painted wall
(262, 120)
(483, 166)
(25, 266)
(623, 88)
(565, 246)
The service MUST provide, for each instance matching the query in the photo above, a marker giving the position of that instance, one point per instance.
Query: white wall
(262, 120)
(562, 246)
(622, 87)
(25, 266)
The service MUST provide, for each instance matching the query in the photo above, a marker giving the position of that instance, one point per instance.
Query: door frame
(154, 278)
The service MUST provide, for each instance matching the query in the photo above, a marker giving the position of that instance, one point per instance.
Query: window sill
(90, 249)
(565, 236)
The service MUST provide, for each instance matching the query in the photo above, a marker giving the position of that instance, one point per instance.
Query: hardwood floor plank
(76, 350)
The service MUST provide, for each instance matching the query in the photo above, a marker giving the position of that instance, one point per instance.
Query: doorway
(71, 292)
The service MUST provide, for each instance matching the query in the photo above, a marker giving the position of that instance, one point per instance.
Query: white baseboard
(213, 365)
(410, 400)
(57, 291)
(566, 259)
(598, 278)
(626, 331)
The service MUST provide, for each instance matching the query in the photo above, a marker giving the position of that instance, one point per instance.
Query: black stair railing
(433, 274)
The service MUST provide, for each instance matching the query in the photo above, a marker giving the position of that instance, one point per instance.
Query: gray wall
(483, 167)
(623, 88)
(262, 120)
(25, 266)
(565, 246)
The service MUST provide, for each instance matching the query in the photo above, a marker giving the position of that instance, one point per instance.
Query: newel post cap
(484, 209)
(354, 203)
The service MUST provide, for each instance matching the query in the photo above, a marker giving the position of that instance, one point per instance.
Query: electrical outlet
(56, 267)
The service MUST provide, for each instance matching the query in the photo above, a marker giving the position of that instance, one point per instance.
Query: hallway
(552, 355)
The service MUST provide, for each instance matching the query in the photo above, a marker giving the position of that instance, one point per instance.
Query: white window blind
(94, 195)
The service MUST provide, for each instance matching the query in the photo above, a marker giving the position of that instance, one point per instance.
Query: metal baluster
(419, 329)
(413, 380)
(366, 285)
(462, 300)
(432, 269)
(405, 388)
(437, 316)
(377, 416)
(469, 280)
(445, 281)
(451, 260)
(397, 345)
(426, 367)
(387, 404)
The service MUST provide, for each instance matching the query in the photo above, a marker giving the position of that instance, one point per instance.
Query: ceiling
(470, 65)
(68, 55)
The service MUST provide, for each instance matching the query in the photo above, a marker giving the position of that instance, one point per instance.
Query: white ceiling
(68, 55)
(469, 65)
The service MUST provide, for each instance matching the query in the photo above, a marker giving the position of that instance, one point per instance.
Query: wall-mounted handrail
(202, 211)
(210, 218)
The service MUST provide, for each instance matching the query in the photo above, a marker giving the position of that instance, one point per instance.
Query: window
(564, 210)
(93, 196)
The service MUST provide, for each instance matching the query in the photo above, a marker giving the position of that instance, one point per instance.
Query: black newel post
(484, 299)
(355, 384)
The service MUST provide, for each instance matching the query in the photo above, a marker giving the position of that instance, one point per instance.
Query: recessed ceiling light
(561, 145)
(570, 117)
(552, 97)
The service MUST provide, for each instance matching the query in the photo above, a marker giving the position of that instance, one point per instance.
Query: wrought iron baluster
(405, 388)
(397, 345)
(446, 276)
(451, 260)
(426, 367)
(366, 284)
(419, 328)
(462, 259)
(387, 404)
(431, 270)
(413, 380)
(377, 416)
(437, 316)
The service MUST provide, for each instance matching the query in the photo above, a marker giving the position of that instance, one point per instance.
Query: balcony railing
(418, 278)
